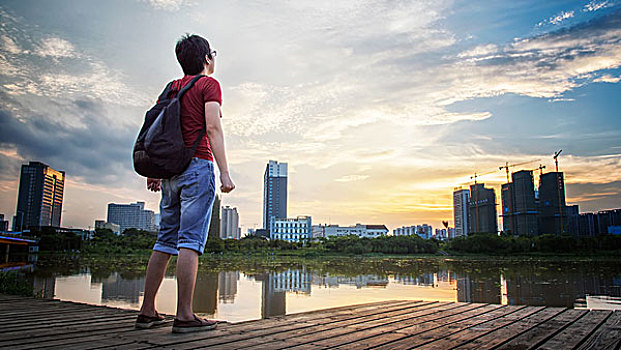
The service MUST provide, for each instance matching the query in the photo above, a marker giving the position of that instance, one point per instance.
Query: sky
(380, 108)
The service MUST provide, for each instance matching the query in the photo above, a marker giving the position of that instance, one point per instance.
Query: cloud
(596, 5)
(350, 178)
(167, 5)
(83, 152)
(52, 67)
(56, 47)
(10, 46)
(607, 78)
(561, 17)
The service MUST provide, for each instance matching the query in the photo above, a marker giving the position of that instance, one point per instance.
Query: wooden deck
(27, 323)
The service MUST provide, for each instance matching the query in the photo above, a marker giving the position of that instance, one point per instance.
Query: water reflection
(238, 295)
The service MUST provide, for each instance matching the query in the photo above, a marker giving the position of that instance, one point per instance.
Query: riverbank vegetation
(527, 245)
(139, 242)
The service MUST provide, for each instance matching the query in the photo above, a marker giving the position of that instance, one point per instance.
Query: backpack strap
(187, 87)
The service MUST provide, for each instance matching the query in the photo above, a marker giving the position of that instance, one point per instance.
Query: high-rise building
(552, 212)
(461, 198)
(214, 224)
(40, 197)
(274, 193)
(229, 227)
(131, 216)
(519, 208)
(482, 210)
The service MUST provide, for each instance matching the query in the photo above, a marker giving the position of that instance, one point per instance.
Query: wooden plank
(52, 331)
(536, 335)
(68, 322)
(473, 331)
(35, 311)
(269, 326)
(421, 333)
(71, 343)
(112, 330)
(307, 335)
(578, 332)
(606, 336)
(45, 317)
(501, 335)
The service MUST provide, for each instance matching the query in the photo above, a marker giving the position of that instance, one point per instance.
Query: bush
(12, 283)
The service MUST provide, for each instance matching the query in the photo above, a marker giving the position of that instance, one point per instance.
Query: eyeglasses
(213, 54)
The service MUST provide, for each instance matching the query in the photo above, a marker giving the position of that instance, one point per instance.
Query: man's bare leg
(155, 274)
(187, 267)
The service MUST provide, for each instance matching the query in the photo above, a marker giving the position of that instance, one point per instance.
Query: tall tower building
(482, 210)
(40, 196)
(229, 228)
(552, 212)
(461, 197)
(274, 193)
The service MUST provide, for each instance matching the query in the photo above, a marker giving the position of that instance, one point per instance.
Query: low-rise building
(424, 231)
(101, 224)
(292, 229)
(369, 231)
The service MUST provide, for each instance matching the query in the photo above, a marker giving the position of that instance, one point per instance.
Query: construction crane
(479, 175)
(540, 168)
(556, 154)
(507, 166)
(558, 187)
(476, 195)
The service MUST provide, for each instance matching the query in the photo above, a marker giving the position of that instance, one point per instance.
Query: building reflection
(227, 286)
(206, 293)
(115, 287)
(559, 290)
(426, 280)
(44, 286)
(360, 281)
(273, 303)
(478, 290)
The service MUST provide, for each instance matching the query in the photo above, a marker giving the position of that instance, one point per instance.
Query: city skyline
(379, 117)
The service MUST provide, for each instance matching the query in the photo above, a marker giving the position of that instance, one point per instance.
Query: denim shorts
(185, 208)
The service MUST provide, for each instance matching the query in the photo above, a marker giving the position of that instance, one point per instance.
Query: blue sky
(379, 107)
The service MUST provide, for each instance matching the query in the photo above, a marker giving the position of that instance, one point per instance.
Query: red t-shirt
(193, 111)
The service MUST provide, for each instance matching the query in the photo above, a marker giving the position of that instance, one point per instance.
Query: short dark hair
(191, 51)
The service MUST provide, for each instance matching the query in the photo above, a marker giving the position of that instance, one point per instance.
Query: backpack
(159, 150)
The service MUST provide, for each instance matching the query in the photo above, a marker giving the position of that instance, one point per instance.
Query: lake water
(236, 291)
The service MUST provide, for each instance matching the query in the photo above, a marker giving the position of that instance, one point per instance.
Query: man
(187, 199)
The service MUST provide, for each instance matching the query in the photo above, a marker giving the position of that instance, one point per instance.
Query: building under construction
(482, 216)
(519, 205)
(525, 214)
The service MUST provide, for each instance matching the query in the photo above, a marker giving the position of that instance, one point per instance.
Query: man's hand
(153, 184)
(227, 183)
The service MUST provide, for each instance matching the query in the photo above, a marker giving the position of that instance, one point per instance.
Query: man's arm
(216, 140)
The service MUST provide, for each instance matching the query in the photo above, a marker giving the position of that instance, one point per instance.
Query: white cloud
(350, 178)
(607, 78)
(168, 5)
(56, 47)
(481, 50)
(596, 5)
(561, 17)
(10, 46)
